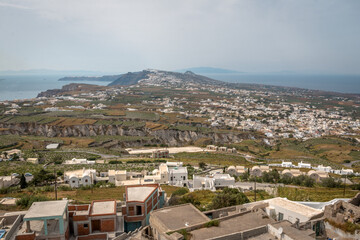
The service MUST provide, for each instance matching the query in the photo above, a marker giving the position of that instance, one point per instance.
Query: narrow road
(103, 155)
(350, 163)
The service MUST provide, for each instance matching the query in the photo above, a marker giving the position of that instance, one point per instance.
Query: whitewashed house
(327, 169)
(202, 183)
(8, 181)
(284, 209)
(223, 180)
(81, 177)
(344, 171)
(78, 161)
(178, 176)
(304, 165)
(286, 164)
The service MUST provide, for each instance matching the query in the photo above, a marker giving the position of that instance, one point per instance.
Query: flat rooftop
(103, 207)
(233, 225)
(52, 146)
(179, 170)
(294, 206)
(292, 232)
(46, 209)
(139, 193)
(173, 218)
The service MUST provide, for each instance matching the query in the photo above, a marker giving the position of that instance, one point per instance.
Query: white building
(78, 161)
(211, 182)
(286, 164)
(284, 209)
(223, 180)
(344, 172)
(52, 146)
(304, 165)
(203, 183)
(81, 177)
(28, 177)
(327, 169)
(238, 170)
(8, 181)
(178, 176)
(33, 160)
(174, 164)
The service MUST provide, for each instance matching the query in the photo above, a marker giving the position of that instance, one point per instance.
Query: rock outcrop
(144, 136)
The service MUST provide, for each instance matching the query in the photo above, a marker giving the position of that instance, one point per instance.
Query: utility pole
(55, 183)
(345, 184)
(255, 189)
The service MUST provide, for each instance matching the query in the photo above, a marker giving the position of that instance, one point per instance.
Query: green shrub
(115, 162)
(186, 234)
(27, 200)
(229, 197)
(64, 188)
(180, 191)
(331, 183)
(212, 223)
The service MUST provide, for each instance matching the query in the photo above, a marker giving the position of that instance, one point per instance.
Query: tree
(309, 182)
(202, 165)
(23, 183)
(331, 183)
(245, 177)
(229, 197)
(286, 179)
(15, 157)
(42, 177)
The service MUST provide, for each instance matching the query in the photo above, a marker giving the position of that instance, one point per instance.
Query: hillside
(106, 78)
(208, 70)
(160, 77)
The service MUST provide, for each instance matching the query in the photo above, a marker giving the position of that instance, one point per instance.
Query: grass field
(330, 150)
(211, 158)
(314, 194)
(148, 116)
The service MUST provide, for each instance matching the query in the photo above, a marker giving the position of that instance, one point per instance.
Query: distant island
(208, 70)
(132, 78)
(106, 78)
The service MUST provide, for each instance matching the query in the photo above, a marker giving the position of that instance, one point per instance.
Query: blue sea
(23, 87)
(28, 86)
(332, 83)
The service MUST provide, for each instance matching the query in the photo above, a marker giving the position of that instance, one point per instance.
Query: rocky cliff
(145, 136)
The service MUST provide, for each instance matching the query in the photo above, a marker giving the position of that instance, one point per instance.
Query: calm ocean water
(21, 87)
(333, 83)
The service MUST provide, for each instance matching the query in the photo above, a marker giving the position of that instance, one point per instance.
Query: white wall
(74, 182)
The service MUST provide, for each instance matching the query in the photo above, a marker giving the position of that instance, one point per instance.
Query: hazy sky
(119, 36)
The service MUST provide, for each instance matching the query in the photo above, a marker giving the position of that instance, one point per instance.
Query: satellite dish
(281, 230)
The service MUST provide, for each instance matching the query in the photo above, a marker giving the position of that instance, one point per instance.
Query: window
(138, 210)
(184, 177)
(86, 180)
(131, 209)
(86, 225)
(73, 181)
(281, 216)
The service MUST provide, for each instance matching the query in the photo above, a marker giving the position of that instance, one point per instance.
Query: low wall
(96, 236)
(14, 227)
(340, 232)
(243, 235)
